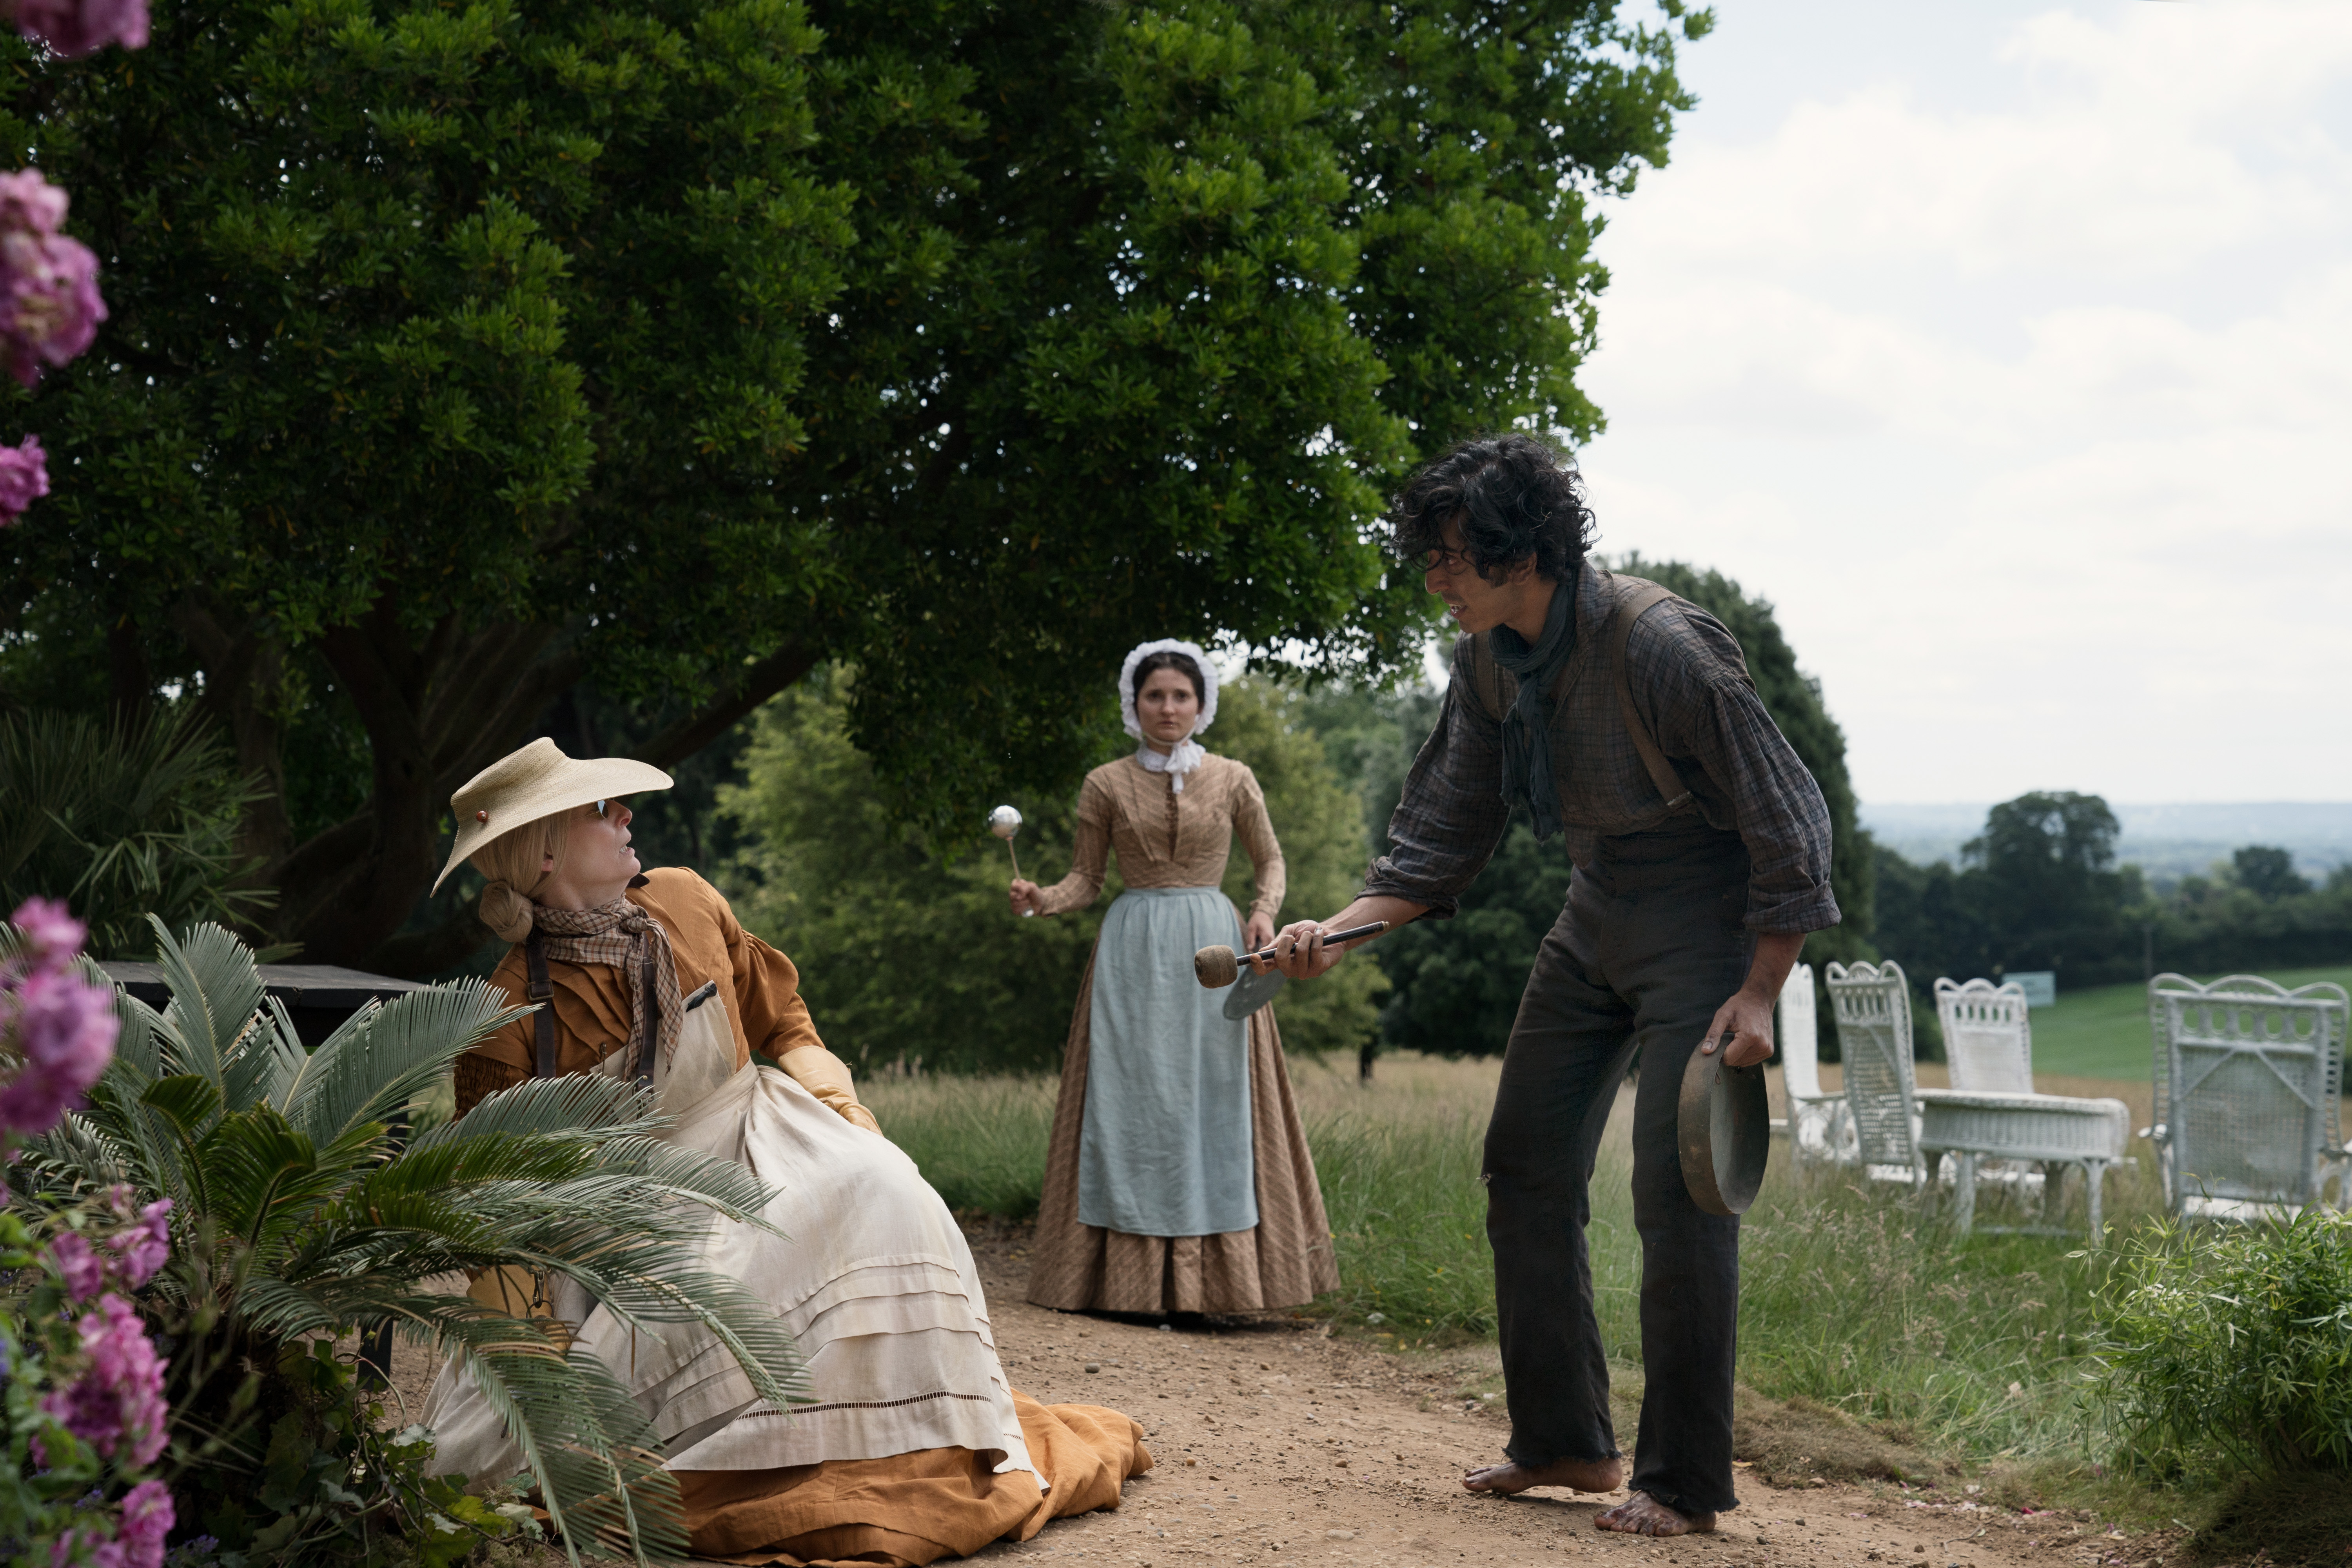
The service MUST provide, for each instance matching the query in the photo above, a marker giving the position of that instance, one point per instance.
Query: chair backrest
(2247, 1079)
(1872, 1005)
(1800, 1032)
(1987, 1038)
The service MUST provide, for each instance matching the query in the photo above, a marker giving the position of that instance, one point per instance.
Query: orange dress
(882, 1509)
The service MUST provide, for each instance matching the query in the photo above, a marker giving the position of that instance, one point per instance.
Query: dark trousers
(1650, 944)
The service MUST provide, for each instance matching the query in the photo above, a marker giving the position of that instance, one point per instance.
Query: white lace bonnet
(1167, 644)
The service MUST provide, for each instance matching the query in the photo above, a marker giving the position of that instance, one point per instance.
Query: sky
(2007, 348)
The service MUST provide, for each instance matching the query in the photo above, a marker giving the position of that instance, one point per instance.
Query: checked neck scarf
(1527, 736)
(621, 934)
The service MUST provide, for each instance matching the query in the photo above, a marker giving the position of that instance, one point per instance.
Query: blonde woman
(915, 1446)
(1178, 1179)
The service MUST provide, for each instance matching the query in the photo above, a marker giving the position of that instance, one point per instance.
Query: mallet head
(1216, 967)
(1004, 822)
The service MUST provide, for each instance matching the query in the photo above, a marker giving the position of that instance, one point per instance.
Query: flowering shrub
(83, 1406)
(49, 305)
(77, 27)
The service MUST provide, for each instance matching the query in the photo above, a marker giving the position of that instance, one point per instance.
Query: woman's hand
(1028, 898)
(1258, 934)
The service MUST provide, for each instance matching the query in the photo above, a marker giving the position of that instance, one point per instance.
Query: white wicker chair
(1988, 1036)
(1873, 1006)
(1993, 1124)
(1817, 1126)
(2248, 1079)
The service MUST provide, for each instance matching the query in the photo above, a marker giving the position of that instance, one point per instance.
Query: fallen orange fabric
(910, 1509)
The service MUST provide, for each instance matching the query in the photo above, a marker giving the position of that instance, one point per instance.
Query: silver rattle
(1004, 822)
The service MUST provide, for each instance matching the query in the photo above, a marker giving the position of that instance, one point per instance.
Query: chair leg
(1964, 1197)
(2094, 1174)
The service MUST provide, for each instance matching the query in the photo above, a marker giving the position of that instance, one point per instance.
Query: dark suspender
(542, 991)
(651, 1013)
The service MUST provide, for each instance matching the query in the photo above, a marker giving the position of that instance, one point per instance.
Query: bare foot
(1643, 1514)
(1580, 1475)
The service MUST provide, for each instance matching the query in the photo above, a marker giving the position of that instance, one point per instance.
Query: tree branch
(752, 685)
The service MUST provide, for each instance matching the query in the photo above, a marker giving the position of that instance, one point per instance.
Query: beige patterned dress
(1168, 840)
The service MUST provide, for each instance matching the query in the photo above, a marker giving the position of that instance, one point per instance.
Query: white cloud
(2026, 399)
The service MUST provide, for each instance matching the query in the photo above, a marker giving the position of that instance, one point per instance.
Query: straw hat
(537, 781)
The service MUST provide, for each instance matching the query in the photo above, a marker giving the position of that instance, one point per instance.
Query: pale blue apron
(1165, 1148)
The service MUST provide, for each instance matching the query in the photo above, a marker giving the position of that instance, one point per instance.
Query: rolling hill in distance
(2165, 841)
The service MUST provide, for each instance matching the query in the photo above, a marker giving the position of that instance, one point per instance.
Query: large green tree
(462, 353)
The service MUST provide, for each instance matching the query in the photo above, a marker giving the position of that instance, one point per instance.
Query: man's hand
(1300, 952)
(1749, 1013)
(1751, 1017)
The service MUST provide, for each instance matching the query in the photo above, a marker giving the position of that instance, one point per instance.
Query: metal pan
(1725, 1132)
(1252, 991)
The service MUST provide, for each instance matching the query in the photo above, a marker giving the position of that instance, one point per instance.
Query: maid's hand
(1258, 934)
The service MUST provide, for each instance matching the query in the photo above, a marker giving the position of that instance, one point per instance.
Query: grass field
(2103, 1032)
(1859, 1300)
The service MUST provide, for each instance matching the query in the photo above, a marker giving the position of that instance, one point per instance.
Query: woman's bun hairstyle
(516, 865)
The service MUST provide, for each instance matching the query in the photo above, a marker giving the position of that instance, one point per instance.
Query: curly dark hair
(1513, 496)
(1168, 658)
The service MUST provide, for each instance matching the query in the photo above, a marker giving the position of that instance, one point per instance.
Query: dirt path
(1277, 1444)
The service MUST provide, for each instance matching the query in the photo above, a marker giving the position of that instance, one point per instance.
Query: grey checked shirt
(1690, 688)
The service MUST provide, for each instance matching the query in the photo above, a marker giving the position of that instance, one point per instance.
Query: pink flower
(49, 304)
(145, 1247)
(147, 1518)
(82, 1266)
(30, 203)
(64, 1031)
(74, 27)
(23, 479)
(50, 929)
(119, 1402)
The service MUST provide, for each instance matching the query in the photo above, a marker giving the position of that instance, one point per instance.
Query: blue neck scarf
(1526, 738)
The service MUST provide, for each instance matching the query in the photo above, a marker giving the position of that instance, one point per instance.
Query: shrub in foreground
(2234, 1344)
(298, 1213)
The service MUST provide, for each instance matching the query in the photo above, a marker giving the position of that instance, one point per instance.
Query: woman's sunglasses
(599, 806)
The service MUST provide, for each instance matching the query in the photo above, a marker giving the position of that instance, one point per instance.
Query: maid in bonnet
(1178, 1179)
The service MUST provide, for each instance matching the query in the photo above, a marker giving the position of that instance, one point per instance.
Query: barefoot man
(1699, 870)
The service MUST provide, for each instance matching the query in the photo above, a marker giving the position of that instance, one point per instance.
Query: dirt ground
(1277, 1443)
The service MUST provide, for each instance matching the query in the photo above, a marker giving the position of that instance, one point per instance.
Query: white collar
(1187, 756)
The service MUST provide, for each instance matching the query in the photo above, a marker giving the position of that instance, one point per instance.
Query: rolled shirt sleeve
(1452, 812)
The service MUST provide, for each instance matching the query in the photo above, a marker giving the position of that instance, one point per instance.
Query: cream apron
(873, 1279)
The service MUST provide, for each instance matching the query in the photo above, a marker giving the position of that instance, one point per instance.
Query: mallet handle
(1329, 939)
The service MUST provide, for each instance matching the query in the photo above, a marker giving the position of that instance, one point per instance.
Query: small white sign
(2041, 985)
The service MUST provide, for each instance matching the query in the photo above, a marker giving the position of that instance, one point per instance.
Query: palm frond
(386, 1055)
(589, 1104)
(596, 1454)
(215, 991)
(299, 1216)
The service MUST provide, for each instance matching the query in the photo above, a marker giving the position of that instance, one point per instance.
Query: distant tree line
(2040, 889)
